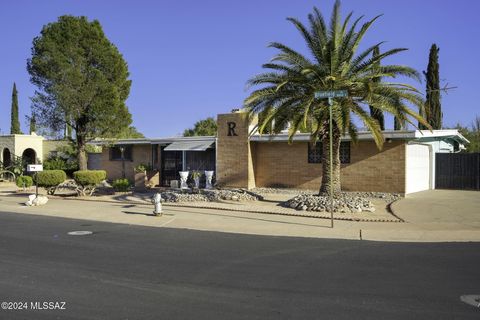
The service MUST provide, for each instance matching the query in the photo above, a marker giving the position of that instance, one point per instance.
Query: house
(30, 148)
(244, 159)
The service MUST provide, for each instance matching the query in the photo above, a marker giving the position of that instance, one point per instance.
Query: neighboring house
(241, 159)
(30, 147)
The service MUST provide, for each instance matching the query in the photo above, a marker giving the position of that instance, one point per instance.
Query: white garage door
(418, 168)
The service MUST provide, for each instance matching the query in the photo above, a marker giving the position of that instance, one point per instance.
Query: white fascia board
(445, 133)
(166, 140)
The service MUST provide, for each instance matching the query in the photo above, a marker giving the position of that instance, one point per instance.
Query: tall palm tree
(287, 89)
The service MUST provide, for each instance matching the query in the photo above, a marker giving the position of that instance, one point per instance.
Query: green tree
(375, 113)
(432, 110)
(472, 134)
(33, 124)
(287, 89)
(397, 124)
(14, 122)
(206, 127)
(130, 133)
(82, 80)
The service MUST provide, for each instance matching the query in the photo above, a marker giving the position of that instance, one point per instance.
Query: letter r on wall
(231, 128)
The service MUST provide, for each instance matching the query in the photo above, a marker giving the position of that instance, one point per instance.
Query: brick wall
(140, 154)
(281, 164)
(234, 155)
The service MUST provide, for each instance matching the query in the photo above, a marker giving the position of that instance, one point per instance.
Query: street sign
(34, 167)
(331, 94)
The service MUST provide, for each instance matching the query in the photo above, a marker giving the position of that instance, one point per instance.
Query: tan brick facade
(141, 154)
(281, 164)
(235, 166)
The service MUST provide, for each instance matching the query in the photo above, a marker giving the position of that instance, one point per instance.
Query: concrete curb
(390, 208)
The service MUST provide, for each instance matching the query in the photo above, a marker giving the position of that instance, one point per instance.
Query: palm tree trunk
(335, 178)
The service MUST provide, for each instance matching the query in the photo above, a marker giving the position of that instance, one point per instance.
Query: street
(134, 272)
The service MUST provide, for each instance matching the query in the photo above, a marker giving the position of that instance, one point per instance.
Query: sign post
(330, 94)
(35, 168)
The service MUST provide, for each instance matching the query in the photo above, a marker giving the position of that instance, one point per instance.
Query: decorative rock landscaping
(322, 203)
(349, 202)
(209, 195)
(282, 191)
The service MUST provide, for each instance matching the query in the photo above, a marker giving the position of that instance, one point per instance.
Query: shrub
(88, 180)
(24, 182)
(142, 167)
(58, 163)
(50, 179)
(121, 185)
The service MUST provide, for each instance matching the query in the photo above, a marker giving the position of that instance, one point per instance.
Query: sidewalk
(249, 222)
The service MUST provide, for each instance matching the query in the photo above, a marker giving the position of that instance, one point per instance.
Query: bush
(50, 179)
(88, 180)
(58, 163)
(121, 185)
(89, 177)
(24, 182)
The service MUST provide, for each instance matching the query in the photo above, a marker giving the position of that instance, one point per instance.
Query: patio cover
(199, 145)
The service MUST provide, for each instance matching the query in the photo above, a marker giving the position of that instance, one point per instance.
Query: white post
(157, 201)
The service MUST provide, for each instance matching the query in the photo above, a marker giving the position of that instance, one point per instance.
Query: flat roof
(165, 141)
(367, 135)
(281, 137)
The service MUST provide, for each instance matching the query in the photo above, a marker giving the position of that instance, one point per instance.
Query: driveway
(441, 209)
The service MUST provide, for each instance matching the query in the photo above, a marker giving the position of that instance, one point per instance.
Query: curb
(390, 208)
(392, 212)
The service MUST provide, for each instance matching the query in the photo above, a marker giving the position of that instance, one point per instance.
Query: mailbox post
(35, 168)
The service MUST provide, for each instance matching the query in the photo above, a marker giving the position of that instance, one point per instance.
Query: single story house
(31, 148)
(243, 158)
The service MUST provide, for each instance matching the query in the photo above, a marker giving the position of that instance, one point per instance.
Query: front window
(116, 153)
(315, 152)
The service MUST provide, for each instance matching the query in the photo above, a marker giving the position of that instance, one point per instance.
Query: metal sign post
(330, 95)
(35, 168)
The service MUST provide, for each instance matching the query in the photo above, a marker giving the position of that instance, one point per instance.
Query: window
(315, 153)
(116, 153)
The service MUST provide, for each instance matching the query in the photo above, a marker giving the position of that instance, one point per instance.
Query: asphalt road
(131, 272)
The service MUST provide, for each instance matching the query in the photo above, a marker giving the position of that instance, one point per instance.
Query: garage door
(418, 168)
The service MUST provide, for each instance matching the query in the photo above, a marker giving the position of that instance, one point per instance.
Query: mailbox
(34, 167)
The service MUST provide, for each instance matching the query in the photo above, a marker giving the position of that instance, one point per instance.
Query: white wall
(418, 168)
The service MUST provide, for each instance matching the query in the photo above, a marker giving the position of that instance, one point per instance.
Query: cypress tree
(14, 122)
(374, 112)
(33, 123)
(396, 124)
(432, 111)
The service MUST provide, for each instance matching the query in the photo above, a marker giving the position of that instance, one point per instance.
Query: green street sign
(331, 94)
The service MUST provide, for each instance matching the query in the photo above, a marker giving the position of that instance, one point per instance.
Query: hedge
(89, 177)
(50, 178)
(121, 185)
(24, 181)
(87, 180)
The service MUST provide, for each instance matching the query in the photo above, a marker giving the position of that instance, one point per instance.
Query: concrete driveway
(441, 208)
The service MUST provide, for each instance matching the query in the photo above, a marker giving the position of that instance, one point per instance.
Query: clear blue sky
(191, 59)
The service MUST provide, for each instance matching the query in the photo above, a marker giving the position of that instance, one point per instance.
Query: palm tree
(287, 89)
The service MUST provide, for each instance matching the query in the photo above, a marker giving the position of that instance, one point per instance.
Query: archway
(6, 158)
(29, 156)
